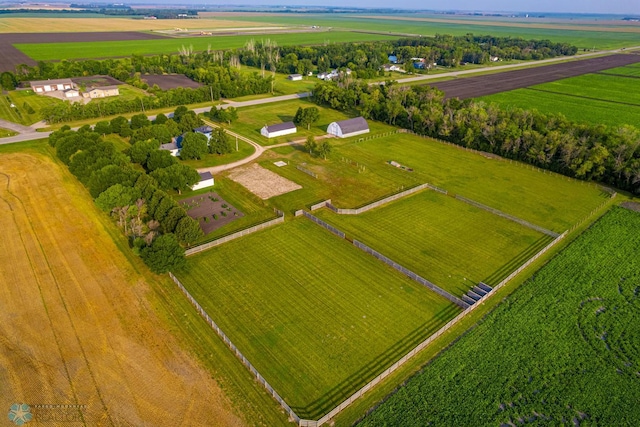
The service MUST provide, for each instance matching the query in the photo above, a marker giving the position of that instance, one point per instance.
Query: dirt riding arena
(10, 57)
(211, 211)
(96, 81)
(77, 322)
(473, 87)
(262, 182)
(170, 81)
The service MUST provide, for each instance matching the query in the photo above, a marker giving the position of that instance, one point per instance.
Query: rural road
(509, 66)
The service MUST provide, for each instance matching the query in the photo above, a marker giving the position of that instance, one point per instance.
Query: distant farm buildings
(294, 77)
(347, 128)
(206, 180)
(279, 129)
(44, 86)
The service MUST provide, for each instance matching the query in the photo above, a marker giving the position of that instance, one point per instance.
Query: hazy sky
(575, 6)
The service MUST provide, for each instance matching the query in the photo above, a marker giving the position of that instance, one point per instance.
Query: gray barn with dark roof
(347, 128)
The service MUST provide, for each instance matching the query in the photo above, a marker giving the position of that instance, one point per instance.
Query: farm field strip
(545, 199)
(76, 322)
(576, 319)
(317, 317)
(597, 86)
(488, 84)
(446, 241)
(584, 39)
(97, 49)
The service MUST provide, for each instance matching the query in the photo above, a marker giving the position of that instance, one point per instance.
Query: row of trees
(156, 225)
(584, 151)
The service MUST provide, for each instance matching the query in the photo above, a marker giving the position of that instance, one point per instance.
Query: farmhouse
(205, 130)
(44, 86)
(206, 180)
(295, 77)
(174, 146)
(347, 128)
(280, 129)
(102, 92)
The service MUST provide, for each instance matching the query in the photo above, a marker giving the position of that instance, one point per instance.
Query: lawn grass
(282, 86)
(317, 317)
(244, 150)
(448, 242)
(545, 199)
(561, 349)
(86, 50)
(6, 132)
(18, 113)
(252, 119)
(602, 98)
(128, 92)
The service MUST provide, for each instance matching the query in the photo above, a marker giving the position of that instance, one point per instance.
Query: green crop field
(357, 173)
(19, 113)
(86, 50)
(317, 317)
(562, 350)
(632, 70)
(583, 38)
(592, 98)
(448, 242)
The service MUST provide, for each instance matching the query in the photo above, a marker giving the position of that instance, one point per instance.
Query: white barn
(295, 77)
(347, 128)
(280, 129)
(206, 180)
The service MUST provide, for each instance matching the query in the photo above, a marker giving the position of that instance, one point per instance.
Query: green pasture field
(282, 86)
(562, 349)
(448, 242)
(19, 114)
(86, 50)
(357, 173)
(252, 119)
(317, 317)
(592, 98)
(632, 70)
(583, 39)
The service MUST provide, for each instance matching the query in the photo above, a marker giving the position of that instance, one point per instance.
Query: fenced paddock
(317, 317)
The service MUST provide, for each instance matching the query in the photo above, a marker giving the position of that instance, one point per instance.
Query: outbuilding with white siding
(206, 180)
(347, 128)
(279, 129)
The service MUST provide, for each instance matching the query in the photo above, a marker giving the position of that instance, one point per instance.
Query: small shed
(347, 128)
(279, 129)
(295, 77)
(206, 180)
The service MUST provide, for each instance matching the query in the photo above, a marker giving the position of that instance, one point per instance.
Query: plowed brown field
(77, 326)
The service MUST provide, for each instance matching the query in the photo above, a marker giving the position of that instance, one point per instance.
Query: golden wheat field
(77, 326)
(68, 25)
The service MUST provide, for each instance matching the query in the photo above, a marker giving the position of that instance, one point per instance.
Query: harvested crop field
(170, 81)
(10, 56)
(474, 87)
(77, 325)
(262, 182)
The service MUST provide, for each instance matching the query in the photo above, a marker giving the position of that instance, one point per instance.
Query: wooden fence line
(236, 235)
(236, 351)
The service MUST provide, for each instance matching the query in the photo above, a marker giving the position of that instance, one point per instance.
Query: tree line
(584, 151)
(132, 185)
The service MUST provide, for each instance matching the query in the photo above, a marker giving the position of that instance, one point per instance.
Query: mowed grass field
(357, 173)
(563, 349)
(19, 113)
(316, 316)
(78, 324)
(450, 243)
(593, 98)
(86, 50)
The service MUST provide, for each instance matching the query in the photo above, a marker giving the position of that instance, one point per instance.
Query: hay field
(76, 323)
(74, 25)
